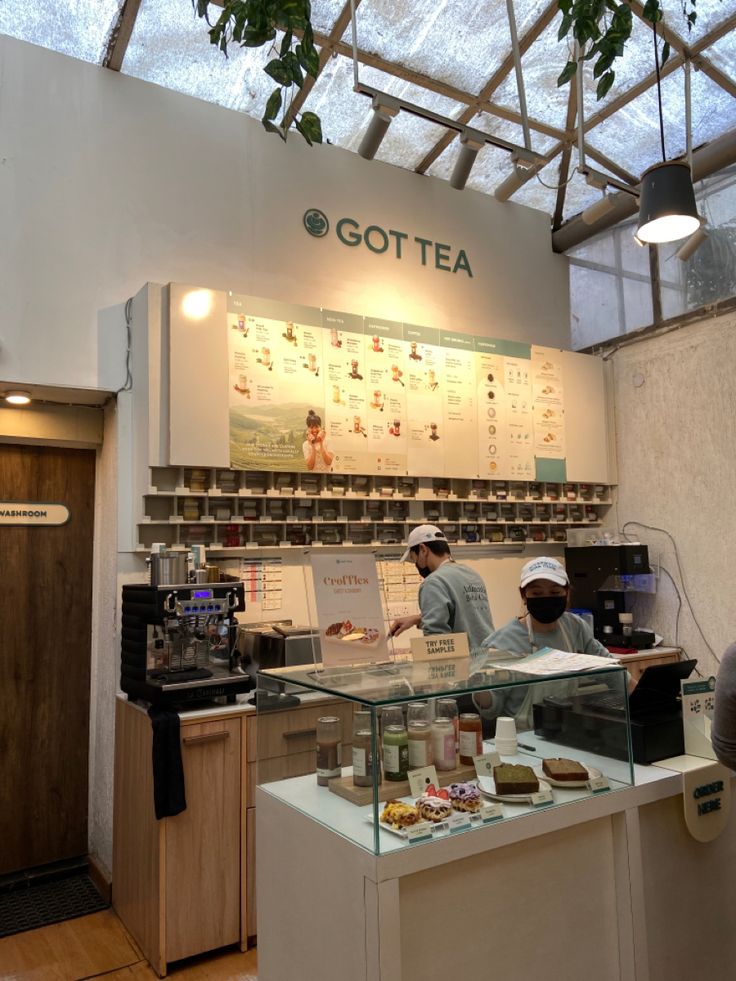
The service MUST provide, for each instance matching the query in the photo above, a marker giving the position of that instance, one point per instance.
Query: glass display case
(411, 752)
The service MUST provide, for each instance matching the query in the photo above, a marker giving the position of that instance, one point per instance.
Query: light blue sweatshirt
(453, 599)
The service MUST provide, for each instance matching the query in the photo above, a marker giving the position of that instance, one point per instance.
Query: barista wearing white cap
(452, 598)
(545, 622)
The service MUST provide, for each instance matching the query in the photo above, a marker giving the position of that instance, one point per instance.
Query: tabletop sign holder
(698, 705)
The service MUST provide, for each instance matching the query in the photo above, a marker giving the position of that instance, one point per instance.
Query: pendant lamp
(667, 210)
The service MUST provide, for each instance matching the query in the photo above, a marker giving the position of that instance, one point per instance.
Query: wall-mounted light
(384, 110)
(470, 143)
(17, 397)
(691, 245)
(523, 171)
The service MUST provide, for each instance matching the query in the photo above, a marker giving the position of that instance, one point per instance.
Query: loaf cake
(513, 778)
(564, 770)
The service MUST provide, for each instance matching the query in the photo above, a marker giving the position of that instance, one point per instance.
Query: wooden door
(45, 644)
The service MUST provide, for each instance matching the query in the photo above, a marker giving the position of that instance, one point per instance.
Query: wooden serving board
(389, 789)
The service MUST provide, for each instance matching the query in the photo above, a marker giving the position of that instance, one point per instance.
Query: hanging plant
(253, 23)
(602, 27)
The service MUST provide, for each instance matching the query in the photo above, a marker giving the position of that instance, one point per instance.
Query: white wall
(675, 399)
(108, 182)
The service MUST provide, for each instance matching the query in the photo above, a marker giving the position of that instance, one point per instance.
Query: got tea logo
(379, 240)
(316, 223)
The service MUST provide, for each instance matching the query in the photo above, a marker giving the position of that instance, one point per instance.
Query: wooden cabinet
(281, 745)
(177, 882)
(186, 884)
(637, 663)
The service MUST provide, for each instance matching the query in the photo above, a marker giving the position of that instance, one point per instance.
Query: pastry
(433, 808)
(564, 770)
(399, 815)
(513, 778)
(464, 797)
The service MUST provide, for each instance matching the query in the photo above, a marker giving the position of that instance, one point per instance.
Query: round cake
(464, 797)
(433, 808)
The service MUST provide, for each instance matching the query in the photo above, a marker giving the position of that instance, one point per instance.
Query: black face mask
(424, 572)
(546, 609)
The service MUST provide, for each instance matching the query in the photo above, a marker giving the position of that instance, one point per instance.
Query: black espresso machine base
(170, 693)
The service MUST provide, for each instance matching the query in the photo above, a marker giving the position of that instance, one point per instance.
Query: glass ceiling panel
(631, 136)
(541, 65)
(324, 14)
(636, 63)
(345, 114)
(534, 194)
(511, 131)
(459, 45)
(710, 15)
(170, 46)
(723, 55)
(73, 27)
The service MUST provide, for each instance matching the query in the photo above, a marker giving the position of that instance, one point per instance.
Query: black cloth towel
(168, 770)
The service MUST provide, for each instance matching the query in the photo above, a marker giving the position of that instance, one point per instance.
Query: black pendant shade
(667, 209)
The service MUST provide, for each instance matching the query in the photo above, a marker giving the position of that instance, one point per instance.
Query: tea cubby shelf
(236, 511)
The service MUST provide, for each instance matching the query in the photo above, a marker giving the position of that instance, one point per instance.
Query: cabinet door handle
(298, 733)
(206, 737)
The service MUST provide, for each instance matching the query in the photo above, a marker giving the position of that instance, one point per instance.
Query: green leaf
(286, 43)
(567, 73)
(303, 131)
(255, 37)
(291, 63)
(311, 127)
(604, 84)
(273, 105)
(665, 52)
(272, 128)
(278, 71)
(564, 26)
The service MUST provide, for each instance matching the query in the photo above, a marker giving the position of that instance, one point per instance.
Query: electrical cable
(128, 383)
(663, 531)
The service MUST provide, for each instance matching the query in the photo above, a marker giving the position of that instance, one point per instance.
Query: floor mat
(39, 904)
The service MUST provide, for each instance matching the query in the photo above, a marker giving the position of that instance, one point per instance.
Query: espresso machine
(179, 642)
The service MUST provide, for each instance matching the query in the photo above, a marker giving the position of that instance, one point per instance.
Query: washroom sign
(33, 513)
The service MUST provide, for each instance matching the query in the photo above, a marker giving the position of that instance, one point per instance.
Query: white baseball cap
(543, 567)
(421, 534)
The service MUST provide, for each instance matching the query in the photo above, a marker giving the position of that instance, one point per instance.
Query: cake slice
(513, 778)
(564, 770)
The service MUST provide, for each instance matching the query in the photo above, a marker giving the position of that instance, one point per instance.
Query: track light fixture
(691, 245)
(599, 209)
(523, 171)
(470, 143)
(384, 110)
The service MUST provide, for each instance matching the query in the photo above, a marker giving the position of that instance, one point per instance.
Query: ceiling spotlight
(667, 210)
(599, 209)
(523, 171)
(470, 143)
(691, 245)
(17, 397)
(384, 110)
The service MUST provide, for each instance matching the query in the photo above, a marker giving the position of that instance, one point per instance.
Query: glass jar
(446, 708)
(363, 763)
(329, 749)
(417, 712)
(420, 745)
(443, 744)
(395, 753)
(470, 737)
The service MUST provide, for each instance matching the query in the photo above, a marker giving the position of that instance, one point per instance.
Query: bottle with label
(443, 744)
(395, 753)
(363, 763)
(420, 745)
(470, 736)
(329, 749)
(446, 708)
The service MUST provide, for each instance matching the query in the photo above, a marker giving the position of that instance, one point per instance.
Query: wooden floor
(96, 945)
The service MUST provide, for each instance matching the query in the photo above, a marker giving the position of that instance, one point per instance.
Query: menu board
(326, 391)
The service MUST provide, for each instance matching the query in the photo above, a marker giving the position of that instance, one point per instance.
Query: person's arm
(723, 732)
(589, 645)
(326, 455)
(400, 624)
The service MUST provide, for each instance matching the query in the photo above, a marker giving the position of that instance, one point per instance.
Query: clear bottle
(417, 712)
(443, 744)
(395, 752)
(329, 749)
(446, 708)
(363, 763)
(420, 744)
